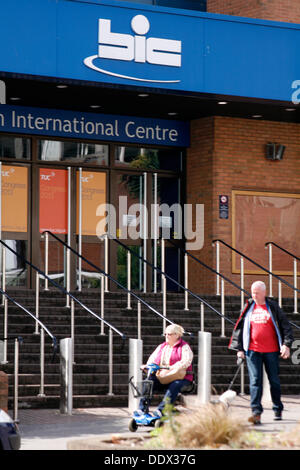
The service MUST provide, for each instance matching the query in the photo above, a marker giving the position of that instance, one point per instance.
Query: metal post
(135, 362)
(80, 230)
(73, 327)
(145, 232)
(66, 375)
(3, 272)
(186, 275)
(202, 316)
(106, 261)
(37, 301)
(266, 393)
(242, 283)
(279, 294)
(102, 304)
(218, 266)
(155, 238)
(110, 362)
(163, 283)
(46, 259)
(16, 380)
(128, 280)
(68, 283)
(222, 309)
(139, 318)
(42, 364)
(295, 285)
(270, 269)
(5, 330)
(204, 366)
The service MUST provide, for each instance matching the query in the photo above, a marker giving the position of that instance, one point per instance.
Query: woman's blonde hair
(173, 328)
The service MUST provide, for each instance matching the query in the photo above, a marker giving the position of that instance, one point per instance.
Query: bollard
(135, 362)
(66, 376)
(204, 366)
(266, 394)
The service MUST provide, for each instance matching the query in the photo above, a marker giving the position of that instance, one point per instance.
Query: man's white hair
(260, 284)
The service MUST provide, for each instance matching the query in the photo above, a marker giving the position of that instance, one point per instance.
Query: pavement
(48, 429)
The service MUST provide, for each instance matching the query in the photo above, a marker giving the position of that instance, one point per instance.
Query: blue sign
(142, 45)
(51, 122)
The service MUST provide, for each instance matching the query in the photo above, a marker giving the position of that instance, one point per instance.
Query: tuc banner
(53, 200)
(60, 123)
(14, 189)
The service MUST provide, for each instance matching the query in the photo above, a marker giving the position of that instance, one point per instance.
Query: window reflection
(14, 147)
(56, 150)
(150, 159)
(15, 267)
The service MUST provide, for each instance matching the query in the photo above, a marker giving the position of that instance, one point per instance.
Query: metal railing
(269, 245)
(108, 276)
(6, 338)
(165, 276)
(244, 257)
(40, 273)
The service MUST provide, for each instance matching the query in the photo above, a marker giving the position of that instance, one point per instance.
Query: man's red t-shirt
(263, 337)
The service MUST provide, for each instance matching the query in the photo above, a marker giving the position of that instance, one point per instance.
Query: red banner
(53, 200)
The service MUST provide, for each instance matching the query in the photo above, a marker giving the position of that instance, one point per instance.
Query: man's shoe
(254, 419)
(277, 416)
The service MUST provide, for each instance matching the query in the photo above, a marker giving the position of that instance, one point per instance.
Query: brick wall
(3, 391)
(229, 154)
(277, 10)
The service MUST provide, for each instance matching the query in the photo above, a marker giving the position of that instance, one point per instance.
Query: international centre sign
(104, 127)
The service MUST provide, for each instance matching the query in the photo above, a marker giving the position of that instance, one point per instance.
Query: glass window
(84, 152)
(14, 147)
(151, 159)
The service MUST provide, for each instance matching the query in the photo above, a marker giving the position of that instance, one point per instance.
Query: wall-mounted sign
(134, 48)
(144, 45)
(223, 207)
(53, 122)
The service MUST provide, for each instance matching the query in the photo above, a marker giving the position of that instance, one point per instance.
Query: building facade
(149, 120)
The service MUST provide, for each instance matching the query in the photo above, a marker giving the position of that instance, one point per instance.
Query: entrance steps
(90, 381)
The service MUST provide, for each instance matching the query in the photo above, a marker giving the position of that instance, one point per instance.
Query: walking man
(262, 334)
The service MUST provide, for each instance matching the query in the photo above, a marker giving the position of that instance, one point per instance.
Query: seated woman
(174, 353)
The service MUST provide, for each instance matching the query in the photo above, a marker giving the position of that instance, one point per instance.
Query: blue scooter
(144, 389)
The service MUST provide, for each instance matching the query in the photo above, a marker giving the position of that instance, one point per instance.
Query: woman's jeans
(255, 361)
(172, 390)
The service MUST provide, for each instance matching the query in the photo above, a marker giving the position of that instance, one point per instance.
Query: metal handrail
(112, 279)
(295, 273)
(42, 347)
(221, 275)
(271, 275)
(40, 272)
(73, 298)
(210, 268)
(258, 265)
(163, 273)
(282, 249)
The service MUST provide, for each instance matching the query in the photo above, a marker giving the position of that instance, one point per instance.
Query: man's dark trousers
(255, 361)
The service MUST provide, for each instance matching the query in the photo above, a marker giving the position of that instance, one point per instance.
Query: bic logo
(135, 48)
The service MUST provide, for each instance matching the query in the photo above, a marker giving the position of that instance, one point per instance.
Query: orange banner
(93, 194)
(14, 192)
(53, 200)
